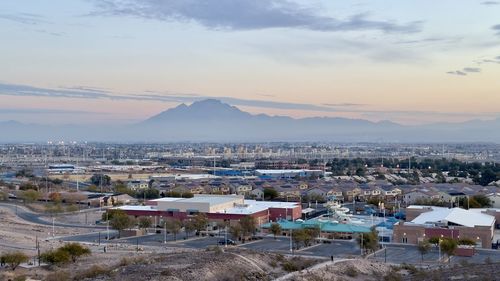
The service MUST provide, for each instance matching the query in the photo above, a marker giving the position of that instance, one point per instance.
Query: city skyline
(124, 61)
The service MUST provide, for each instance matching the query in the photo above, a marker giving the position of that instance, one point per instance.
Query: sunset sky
(121, 61)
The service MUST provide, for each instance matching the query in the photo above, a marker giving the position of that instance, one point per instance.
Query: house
(414, 196)
(241, 189)
(452, 196)
(138, 184)
(257, 193)
(352, 194)
(494, 199)
(336, 193)
(317, 192)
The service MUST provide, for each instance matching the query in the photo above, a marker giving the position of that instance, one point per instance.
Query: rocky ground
(172, 264)
(17, 234)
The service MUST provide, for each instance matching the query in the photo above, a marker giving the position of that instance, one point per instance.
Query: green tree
(14, 259)
(466, 241)
(200, 221)
(482, 200)
(100, 179)
(270, 193)
(110, 213)
(145, 222)
(434, 240)
(369, 241)
(235, 231)
(54, 257)
(448, 246)
(189, 226)
(248, 226)
(75, 250)
(299, 237)
(4, 196)
(121, 221)
(150, 193)
(423, 247)
(174, 226)
(275, 229)
(30, 195)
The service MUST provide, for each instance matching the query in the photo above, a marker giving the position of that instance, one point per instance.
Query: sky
(122, 61)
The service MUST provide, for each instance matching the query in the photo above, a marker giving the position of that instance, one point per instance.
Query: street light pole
(107, 226)
(361, 248)
(165, 232)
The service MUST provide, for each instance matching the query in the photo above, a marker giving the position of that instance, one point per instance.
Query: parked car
(226, 241)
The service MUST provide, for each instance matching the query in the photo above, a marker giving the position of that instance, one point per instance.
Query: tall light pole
(361, 248)
(107, 226)
(165, 232)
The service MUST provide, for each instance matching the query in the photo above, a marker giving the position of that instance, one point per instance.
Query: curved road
(27, 215)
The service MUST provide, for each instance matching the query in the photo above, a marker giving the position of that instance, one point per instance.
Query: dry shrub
(92, 272)
(60, 275)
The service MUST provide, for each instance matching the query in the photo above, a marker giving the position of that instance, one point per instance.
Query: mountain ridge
(213, 120)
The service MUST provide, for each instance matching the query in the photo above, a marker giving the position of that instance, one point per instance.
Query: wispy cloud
(96, 93)
(496, 28)
(490, 3)
(465, 71)
(246, 15)
(429, 40)
(37, 111)
(343, 104)
(457, 72)
(24, 18)
(472, 69)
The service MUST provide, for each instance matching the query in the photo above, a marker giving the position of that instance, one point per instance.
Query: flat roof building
(424, 222)
(217, 207)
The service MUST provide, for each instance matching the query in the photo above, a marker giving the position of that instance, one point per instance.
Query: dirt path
(313, 268)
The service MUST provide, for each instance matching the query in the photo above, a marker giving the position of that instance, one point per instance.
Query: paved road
(27, 215)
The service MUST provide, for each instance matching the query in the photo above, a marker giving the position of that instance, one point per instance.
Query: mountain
(212, 120)
(209, 109)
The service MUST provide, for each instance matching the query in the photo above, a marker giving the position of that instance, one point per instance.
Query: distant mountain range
(212, 120)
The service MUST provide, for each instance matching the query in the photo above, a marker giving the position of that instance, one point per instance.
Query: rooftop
(456, 216)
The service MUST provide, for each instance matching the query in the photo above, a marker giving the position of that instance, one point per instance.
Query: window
(404, 240)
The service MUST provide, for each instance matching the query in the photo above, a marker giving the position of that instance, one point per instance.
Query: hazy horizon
(108, 61)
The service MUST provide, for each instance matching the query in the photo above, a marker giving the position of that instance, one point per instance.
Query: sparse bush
(92, 272)
(60, 275)
(464, 263)
(410, 268)
(71, 208)
(289, 266)
(351, 271)
(393, 276)
(124, 262)
(280, 257)
(166, 272)
(273, 263)
(20, 278)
